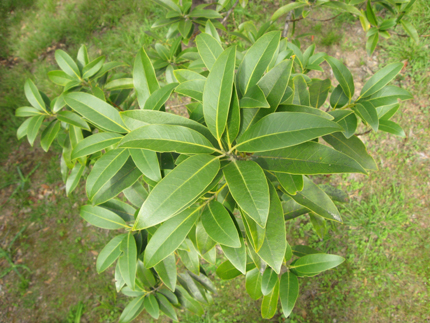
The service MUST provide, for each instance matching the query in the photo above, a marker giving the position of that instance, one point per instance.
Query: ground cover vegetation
(379, 216)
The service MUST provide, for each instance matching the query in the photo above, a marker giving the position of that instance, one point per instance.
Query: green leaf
(102, 218)
(151, 306)
(33, 128)
(346, 119)
(188, 302)
(169, 236)
(73, 119)
(128, 260)
(168, 4)
(92, 68)
(67, 64)
(219, 225)
(314, 198)
(145, 276)
(388, 95)
(301, 93)
(227, 271)
(311, 265)
(233, 120)
(82, 56)
(289, 292)
(205, 13)
(185, 27)
(124, 210)
(253, 283)
(168, 138)
(27, 112)
(338, 98)
(95, 143)
(147, 162)
(136, 194)
(119, 84)
(391, 127)
(254, 98)
(132, 310)
(256, 61)
(203, 241)
(248, 186)
(254, 232)
(270, 302)
(74, 177)
(138, 118)
(370, 14)
(33, 96)
(290, 183)
(343, 76)
(237, 256)
(367, 112)
(109, 253)
(166, 270)
(371, 42)
(380, 79)
(159, 97)
(287, 8)
(204, 281)
(268, 281)
(341, 6)
(96, 111)
(410, 30)
(209, 49)
(166, 307)
(304, 109)
(49, 134)
(273, 249)
(353, 147)
(284, 129)
(187, 75)
(193, 89)
(218, 91)
(190, 259)
(59, 77)
(300, 250)
(318, 92)
(177, 190)
(211, 30)
(309, 158)
(144, 78)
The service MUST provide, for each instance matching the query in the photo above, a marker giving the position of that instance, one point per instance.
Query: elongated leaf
(49, 134)
(289, 292)
(313, 264)
(136, 194)
(304, 109)
(341, 6)
(237, 256)
(338, 98)
(253, 283)
(187, 75)
(177, 190)
(132, 310)
(227, 271)
(313, 198)
(33, 96)
(367, 113)
(233, 121)
(59, 77)
(128, 260)
(270, 302)
(388, 95)
(168, 4)
(287, 8)
(145, 276)
(73, 119)
(151, 306)
(254, 98)
(290, 183)
(159, 97)
(347, 120)
(206, 13)
(204, 281)
(380, 79)
(67, 64)
(219, 225)
(371, 42)
(190, 258)
(318, 92)
(119, 84)
(204, 242)
(268, 281)
(248, 186)
(343, 76)
(93, 67)
(209, 49)
(284, 129)
(273, 249)
(144, 78)
(391, 127)
(309, 158)
(33, 128)
(96, 111)
(254, 232)
(301, 92)
(95, 143)
(410, 30)
(218, 91)
(102, 218)
(109, 253)
(147, 162)
(169, 236)
(256, 60)
(27, 112)
(353, 147)
(167, 138)
(193, 89)
(166, 270)
(74, 178)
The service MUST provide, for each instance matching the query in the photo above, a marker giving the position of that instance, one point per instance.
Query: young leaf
(67, 64)
(276, 130)
(59, 77)
(219, 225)
(343, 76)
(169, 236)
(33, 96)
(248, 186)
(144, 78)
(289, 292)
(33, 128)
(109, 253)
(128, 260)
(102, 218)
(93, 67)
(209, 49)
(177, 190)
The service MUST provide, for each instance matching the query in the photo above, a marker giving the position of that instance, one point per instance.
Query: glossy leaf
(67, 64)
(338, 98)
(95, 143)
(136, 194)
(313, 264)
(347, 120)
(183, 75)
(289, 292)
(268, 281)
(367, 112)
(233, 120)
(59, 77)
(159, 97)
(248, 186)
(237, 256)
(33, 96)
(193, 89)
(253, 283)
(73, 119)
(147, 162)
(109, 253)
(190, 258)
(102, 218)
(144, 78)
(254, 232)
(318, 92)
(177, 190)
(380, 79)
(270, 302)
(301, 92)
(254, 98)
(93, 67)
(209, 49)
(227, 271)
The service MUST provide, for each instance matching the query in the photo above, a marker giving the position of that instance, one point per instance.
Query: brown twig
(224, 21)
(364, 133)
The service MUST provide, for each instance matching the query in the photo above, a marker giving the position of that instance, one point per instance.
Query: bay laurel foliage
(223, 182)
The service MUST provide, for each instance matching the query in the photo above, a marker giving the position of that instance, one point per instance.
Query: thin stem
(224, 21)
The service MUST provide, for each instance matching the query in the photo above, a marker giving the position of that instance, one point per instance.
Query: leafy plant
(223, 181)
